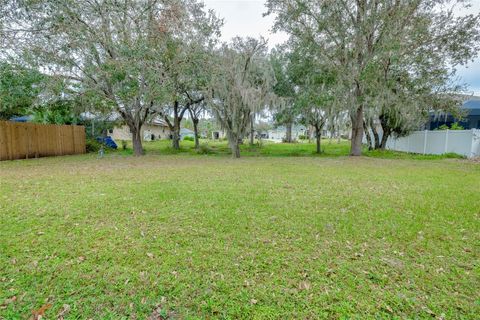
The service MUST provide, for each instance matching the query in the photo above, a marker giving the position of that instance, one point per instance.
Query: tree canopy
(358, 38)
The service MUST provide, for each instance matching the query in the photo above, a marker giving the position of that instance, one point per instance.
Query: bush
(124, 144)
(92, 145)
(189, 138)
(456, 126)
(204, 149)
(302, 137)
(443, 127)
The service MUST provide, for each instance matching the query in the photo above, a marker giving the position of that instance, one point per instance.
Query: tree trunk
(235, 151)
(137, 141)
(175, 127)
(235, 147)
(357, 132)
(318, 135)
(176, 134)
(386, 131)
(195, 132)
(385, 136)
(252, 131)
(175, 139)
(376, 137)
(288, 134)
(233, 142)
(367, 135)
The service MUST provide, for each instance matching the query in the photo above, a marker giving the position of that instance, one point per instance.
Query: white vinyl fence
(462, 142)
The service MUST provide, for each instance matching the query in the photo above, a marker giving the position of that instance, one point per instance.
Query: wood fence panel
(80, 137)
(4, 143)
(31, 140)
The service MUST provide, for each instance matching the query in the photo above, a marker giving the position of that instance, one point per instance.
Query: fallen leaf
(63, 312)
(253, 301)
(38, 314)
(157, 314)
(10, 300)
(304, 285)
(150, 255)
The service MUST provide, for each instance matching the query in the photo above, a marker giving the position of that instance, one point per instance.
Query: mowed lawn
(203, 236)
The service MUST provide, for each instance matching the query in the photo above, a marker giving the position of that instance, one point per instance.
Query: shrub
(189, 138)
(302, 137)
(443, 127)
(456, 126)
(124, 144)
(92, 145)
(204, 149)
(453, 126)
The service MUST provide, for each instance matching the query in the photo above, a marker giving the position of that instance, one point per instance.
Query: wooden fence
(30, 140)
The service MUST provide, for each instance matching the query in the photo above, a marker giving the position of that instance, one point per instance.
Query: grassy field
(269, 149)
(267, 236)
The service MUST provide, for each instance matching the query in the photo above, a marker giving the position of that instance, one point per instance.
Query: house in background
(471, 119)
(216, 135)
(280, 132)
(184, 132)
(155, 129)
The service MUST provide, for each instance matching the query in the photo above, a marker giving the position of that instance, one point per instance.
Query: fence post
(472, 145)
(425, 142)
(446, 141)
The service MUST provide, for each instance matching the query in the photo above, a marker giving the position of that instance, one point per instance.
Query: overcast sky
(244, 18)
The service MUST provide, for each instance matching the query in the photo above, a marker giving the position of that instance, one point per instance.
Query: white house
(280, 133)
(155, 129)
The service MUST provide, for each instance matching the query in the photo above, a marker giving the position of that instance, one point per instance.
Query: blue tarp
(108, 141)
(22, 119)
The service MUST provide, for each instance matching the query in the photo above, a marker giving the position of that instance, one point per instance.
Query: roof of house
(282, 128)
(157, 121)
(185, 131)
(115, 116)
(473, 106)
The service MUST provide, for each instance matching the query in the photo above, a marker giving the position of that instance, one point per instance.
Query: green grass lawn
(270, 149)
(266, 236)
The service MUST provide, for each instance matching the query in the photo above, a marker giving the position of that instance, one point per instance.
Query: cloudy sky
(244, 18)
